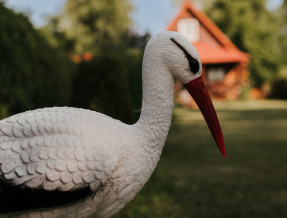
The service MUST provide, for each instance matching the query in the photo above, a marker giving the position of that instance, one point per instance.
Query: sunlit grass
(194, 180)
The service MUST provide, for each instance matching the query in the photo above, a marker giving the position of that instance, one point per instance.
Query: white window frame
(215, 74)
(190, 28)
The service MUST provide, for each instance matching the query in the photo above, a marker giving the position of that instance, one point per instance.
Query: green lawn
(194, 180)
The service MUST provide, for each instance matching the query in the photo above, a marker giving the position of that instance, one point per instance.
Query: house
(224, 65)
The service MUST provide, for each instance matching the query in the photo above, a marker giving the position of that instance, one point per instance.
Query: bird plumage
(88, 162)
(53, 149)
(56, 149)
(65, 149)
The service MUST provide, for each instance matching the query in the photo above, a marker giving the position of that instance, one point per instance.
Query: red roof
(223, 51)
(217, 54)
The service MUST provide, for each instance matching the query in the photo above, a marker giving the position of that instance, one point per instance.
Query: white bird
(69, 162)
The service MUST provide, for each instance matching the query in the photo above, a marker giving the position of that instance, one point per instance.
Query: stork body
(99, 163)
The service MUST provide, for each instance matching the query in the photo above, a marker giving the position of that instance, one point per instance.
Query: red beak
(199, 93)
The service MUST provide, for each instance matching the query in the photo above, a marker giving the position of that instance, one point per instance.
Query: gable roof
(224, 51)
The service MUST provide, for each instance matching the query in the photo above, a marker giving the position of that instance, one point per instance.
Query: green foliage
(111, 82)
(32, 74)
(254, 30)
(282, 16)
(92, 24)
(57, 37)
(103, 85)
(279, 88)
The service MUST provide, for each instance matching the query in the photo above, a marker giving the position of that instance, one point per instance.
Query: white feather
(68, 148)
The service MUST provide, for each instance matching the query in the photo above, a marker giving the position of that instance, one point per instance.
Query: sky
(148, 15)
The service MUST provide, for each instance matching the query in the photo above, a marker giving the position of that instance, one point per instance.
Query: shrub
(32, 74)
(109, 84)
(279, 88)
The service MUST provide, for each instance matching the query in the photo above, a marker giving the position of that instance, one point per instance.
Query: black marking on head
(193, 63)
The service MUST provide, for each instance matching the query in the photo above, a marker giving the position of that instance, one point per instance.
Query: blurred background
(88, 54)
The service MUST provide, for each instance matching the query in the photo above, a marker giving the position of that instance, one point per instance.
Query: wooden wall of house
(230, 88)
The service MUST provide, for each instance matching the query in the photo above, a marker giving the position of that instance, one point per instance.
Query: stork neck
(157, 103)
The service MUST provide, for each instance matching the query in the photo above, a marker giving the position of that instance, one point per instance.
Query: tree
(282, 15)
(32, 74)
(92, 24)
(254, 30)
(111, 81)
(199, 3)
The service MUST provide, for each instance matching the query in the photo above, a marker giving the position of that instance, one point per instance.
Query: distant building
(224, 65)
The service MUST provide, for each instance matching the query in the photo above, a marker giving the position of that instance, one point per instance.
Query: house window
(189, 27)
(215, 74)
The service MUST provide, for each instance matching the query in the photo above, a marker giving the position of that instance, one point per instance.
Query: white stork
(69, 162)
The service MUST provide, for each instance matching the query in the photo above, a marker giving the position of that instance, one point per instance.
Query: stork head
(183, 62)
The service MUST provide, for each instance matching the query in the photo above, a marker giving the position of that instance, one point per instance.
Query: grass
(193, 179)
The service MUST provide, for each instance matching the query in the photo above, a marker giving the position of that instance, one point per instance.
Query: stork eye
(193, 63)
(194, 66)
